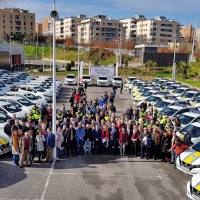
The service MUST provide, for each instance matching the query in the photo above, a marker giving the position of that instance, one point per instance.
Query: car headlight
(196, 166)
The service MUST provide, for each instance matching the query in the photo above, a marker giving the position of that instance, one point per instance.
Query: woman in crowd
(40, 139)
(105, 138)
(165, 143)
(60, 140)
(15, 147)
(123, 141)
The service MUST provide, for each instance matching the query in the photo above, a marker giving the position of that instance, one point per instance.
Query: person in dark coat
(88, 139)
(97, 139)
(135, 140)
(113, 140)
(71, 100)
(121, 87)
(85, 86)
(165, 144)
(7, 128)
(70, 140)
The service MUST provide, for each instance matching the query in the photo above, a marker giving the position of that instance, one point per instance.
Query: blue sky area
(184, 11)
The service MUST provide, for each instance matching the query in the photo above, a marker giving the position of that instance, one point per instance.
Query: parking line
(47, 182)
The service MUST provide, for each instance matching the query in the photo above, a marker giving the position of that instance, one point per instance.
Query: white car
(189, 160)
(196, 102)
(21, 102)
(4, 87)
(15, 80)
(130, 78)
(45, 87)
(7, 82)
(173, 111)
(102, 81)
(193, 187)
(10, 109)
(195, 132)
(38, 91)
(4, 138)
(49, 79)
(28, 77)
(29, 96)
(86, 78)
(180, 91)
(117, 80)
(189, 95)
(70, 79)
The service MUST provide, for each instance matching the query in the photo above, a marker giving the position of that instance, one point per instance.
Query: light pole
(64, 57)
(43, 56)
(10, 53)
(78, 57)
(50, 57)
(193, 42)
(100, 52)
(120, 48)
(37, 47)
(174, 60)
(24, 50)
(54, 16)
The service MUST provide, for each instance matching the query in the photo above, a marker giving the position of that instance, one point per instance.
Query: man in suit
(97, 139)
(50, 145)
(114, 135)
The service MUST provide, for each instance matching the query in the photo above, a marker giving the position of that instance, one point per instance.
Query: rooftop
(14, 10)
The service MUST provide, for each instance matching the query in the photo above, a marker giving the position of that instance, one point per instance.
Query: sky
(183, 11)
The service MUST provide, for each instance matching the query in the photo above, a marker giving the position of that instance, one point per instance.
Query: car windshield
(45, 86)
(151, 99)
(102, 78)
(143, 90)
(195, 130)
(146, 94)
(4, 117)
(162, 104)
(21, 78)
(178, 91)
(25, 102)
(2, 84)
(7, 81)
(39, 89)
(185, 119)
(196, 147)
(196, 99)
(12, 108)
(171, 87)
(14, 80)
(70, 76)
(31, 97)
(86, 77)
(168, 111)
(131, 79)
(188, 95)
(117, 78)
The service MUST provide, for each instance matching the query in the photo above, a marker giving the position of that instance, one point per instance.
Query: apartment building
(131, 26)
(197, 35)
(68, 27)
(186, 33)
(16, 21)
(158, 30)
(38, 28)
(100, 28)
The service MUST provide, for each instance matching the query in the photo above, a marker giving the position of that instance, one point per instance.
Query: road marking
(79, 174)
(47, 182)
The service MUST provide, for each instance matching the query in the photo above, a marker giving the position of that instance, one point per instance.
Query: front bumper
(5, 149)
(183, 168)
(190, 192)
(102, 84)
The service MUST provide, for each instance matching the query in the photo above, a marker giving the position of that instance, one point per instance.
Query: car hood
(196, 181)
(190, 157)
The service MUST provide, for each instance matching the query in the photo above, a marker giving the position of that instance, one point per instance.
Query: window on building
(4, 21)
(31, 28)
(17, 17)
(10, 22)
(24, 28)
(31, 23)
(11, 28)
(97, 33)
(24, 17)
(31, 17)
(4, 27)
(3, 16)
(10, 16)
(24, 23)
(97, 28)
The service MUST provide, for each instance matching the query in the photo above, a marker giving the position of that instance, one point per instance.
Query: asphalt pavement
(91, 177)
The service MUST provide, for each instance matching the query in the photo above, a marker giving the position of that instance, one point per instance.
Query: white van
(86, 78)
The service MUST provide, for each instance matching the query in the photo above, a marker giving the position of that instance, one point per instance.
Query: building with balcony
(16, 21)
(131, 26)
(68, 27)
(158, 30)
(100, 28)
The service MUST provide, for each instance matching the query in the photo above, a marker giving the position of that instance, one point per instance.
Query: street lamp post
(50, 57)
(37, 48)
(43, 56)
(174, 60)
(100, 52)
(10, 53)
(64, 56)
(24, 50)
(193, 41)
(78, 56)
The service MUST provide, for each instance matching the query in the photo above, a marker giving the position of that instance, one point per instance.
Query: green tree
(68, 67)
(72, 63)
(183, 68)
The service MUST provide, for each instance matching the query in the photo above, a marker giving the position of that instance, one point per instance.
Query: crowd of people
(93, 127)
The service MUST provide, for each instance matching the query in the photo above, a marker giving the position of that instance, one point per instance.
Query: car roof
(86, 75)
(180, 107)
(192, 91)
(195, 124)
(13, 97)
(21, 92)
(3, 103)
(70, 74)
(191, 114)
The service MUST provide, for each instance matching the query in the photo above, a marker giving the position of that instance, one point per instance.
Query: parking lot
(93, 177)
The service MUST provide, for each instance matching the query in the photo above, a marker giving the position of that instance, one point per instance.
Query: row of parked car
(71, 79)
(18, 92)
(175, 100)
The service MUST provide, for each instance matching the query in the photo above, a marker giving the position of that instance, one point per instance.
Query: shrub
(72, 63)
(68, 67)
(40, 70)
